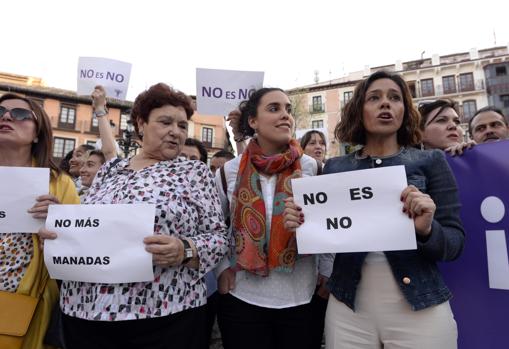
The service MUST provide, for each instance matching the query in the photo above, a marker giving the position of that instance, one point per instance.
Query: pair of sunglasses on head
(18, 114)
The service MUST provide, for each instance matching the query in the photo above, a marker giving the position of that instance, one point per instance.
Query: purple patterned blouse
(187, 205)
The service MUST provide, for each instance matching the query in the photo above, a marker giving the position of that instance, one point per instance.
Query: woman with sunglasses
(440, 126)
(394, 299)
(26, 141)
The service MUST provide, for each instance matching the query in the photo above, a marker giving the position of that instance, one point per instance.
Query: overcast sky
(288, 40)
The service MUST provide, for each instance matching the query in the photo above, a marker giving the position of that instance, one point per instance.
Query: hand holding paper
(40, 208)
(167, 251)
(292, 216)
(420, 207)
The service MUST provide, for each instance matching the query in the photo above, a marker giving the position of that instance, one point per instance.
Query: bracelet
(101, 113)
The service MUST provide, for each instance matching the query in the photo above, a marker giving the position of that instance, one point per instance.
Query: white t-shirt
(278, 289)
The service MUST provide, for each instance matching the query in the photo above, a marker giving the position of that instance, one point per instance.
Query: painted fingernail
(299, 208)
(302, 215)
(301, 220)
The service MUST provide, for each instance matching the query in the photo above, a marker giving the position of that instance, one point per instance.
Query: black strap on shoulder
(223, 181)
(225, 190)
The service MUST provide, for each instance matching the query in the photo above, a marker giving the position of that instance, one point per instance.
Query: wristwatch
(100, 113)
(188, 251)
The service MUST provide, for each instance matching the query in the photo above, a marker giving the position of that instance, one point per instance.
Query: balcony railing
(66, 125)
(498, 85)
(317, 108)
(478, 85)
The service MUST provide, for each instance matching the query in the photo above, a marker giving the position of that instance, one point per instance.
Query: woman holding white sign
(26, 141)
(394, 299)
(188, 240)
(266, 285)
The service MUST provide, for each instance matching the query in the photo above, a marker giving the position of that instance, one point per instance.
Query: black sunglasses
(18, 114)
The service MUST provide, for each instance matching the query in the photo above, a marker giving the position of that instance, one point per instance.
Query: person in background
(94, 159)
(76, 163)
(64, 163)
(193, 149)
(218, 160)
(26, 141)
(266, 285)
(188, 239)
(440, 126)
(488, 125)
(393, 299)
(314, 144)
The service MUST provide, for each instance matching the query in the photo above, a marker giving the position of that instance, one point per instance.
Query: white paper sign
(218, 92)
(357, 211)
(19, 186)
(113, 75)
(100, 243)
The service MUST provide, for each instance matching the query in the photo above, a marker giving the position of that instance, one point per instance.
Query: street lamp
(128, 142)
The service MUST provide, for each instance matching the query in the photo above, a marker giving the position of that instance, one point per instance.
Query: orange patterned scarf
(258, 249)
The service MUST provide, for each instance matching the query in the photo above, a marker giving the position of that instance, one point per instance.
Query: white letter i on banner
(493, 210)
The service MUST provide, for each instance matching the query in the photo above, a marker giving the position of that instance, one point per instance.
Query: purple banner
(479, 279)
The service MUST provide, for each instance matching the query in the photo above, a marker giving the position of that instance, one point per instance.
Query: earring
(36, 140)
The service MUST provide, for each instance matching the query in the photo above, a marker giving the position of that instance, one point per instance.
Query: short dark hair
(307, 137)
(485, 109)
(426, 107)
(224, 154)
(99, 154)
(42, 150)
(158, 96)
(191, 142)
(248, 109)
(350, 128)
(64, 163)
(86, 147)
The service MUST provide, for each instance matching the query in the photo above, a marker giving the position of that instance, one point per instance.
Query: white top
(278, 289)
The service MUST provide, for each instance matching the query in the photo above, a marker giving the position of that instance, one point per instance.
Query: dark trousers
(183, 330)
(318, 307)
(248, 326)
(211, 311)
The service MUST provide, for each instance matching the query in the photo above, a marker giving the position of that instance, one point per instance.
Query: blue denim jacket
(415, 271)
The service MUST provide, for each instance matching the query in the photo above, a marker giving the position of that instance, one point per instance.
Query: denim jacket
(415, 271)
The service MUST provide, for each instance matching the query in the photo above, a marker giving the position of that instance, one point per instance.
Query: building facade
(73, 122)
(473, 79)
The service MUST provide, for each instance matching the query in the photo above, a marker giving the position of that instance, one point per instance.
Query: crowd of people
(224, 241)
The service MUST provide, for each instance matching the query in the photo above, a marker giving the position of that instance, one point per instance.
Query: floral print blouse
(187, 205)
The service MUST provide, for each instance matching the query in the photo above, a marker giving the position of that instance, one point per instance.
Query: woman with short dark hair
(440, 126)
(188, 240)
